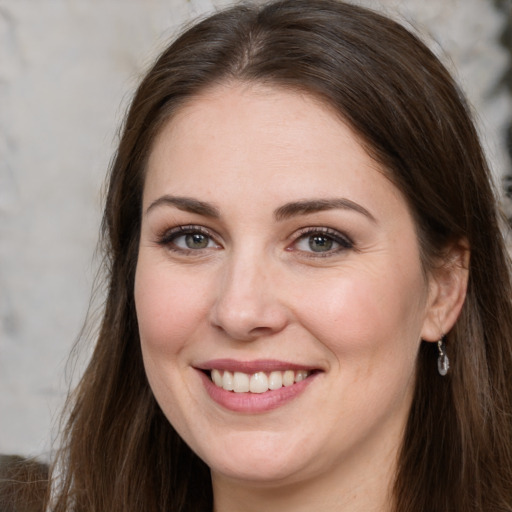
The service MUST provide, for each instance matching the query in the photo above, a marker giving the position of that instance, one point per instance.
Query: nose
(249, 304)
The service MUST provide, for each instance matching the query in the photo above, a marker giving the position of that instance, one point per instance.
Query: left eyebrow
(308, 206)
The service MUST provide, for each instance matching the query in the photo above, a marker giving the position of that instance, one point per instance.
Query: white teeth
(258, 382)
(227, 381)
(301, 375)
(217, 378)
(275, 380)
(240, 382)
(288, 377)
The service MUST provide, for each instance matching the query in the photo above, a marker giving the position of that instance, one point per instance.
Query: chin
(257, 473)
(258, 459)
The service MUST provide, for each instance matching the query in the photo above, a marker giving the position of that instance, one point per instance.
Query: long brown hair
(119, 452)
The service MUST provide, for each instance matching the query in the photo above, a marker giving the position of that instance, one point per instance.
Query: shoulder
(23, 484)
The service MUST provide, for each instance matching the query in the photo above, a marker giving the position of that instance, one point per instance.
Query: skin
(258, 289)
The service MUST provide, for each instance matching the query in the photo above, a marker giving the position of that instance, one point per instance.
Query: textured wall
(67, 68)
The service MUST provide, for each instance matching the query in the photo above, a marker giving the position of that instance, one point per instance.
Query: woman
(309, 296)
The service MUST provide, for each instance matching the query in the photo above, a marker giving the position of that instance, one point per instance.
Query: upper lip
(260, 365)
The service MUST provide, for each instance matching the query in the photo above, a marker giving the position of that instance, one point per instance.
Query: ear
(448, 283)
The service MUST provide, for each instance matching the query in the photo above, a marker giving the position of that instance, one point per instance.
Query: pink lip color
(260, 365)
(251, 403)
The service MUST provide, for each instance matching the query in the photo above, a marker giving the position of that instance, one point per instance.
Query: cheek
(371, 325)
(169, 307)
(367, 312)
(168, 310)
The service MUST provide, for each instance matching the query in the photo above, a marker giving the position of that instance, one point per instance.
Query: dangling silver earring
(443, 363)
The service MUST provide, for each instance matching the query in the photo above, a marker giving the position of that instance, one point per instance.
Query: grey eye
(320, 243)
(317, 242)
(196, 241)
(193, 240)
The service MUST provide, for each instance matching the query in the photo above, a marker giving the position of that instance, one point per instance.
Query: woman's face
(277, 259)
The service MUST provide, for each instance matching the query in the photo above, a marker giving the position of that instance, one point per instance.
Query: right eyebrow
(187, 204)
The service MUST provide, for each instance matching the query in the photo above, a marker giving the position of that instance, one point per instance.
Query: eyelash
(169, 237)
(344, 242)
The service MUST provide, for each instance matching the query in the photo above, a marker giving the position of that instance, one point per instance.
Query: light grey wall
(67, 69)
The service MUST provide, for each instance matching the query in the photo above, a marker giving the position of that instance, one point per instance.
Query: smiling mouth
(259, 382)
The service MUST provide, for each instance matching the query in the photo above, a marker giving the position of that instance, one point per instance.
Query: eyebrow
(288, 210)
(187, 204)
(318, 205)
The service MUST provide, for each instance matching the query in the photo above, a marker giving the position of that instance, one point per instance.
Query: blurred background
(67, 71)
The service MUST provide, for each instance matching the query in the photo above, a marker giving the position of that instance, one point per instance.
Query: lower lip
(255, 402)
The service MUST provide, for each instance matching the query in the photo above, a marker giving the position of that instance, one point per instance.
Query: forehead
(257, 130)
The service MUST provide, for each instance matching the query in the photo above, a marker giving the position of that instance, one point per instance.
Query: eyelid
(167, 236)
(345, 242)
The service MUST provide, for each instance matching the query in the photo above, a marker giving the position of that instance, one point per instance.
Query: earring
(443, 363)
